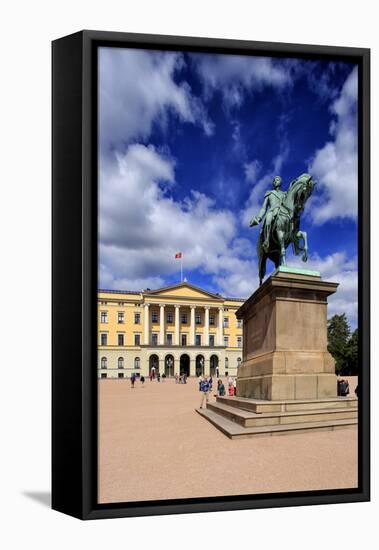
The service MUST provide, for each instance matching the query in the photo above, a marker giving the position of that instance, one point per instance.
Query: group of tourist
(133, 379)
(343, 389)
(156, 375)
(205, 387)
(181, 379)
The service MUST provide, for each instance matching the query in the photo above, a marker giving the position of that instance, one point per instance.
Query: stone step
(260, 406)
(234, 430)
(252, 419)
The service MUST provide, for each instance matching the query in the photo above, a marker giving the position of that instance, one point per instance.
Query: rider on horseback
(271, 205)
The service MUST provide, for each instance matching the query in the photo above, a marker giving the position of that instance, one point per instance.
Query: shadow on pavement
(42, 497)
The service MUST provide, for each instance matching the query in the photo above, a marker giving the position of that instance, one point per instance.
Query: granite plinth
(285, 352)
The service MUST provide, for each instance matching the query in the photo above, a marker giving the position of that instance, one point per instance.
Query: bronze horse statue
(285, 227)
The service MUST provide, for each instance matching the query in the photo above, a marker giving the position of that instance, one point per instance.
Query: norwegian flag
(178, 255)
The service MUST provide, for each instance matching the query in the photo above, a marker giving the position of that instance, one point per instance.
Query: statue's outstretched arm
(257, 219)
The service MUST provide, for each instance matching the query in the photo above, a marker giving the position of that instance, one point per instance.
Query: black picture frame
(74, 273)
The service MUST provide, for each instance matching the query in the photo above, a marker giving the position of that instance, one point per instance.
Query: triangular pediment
(184, 290)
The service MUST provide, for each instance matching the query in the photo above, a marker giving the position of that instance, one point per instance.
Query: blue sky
(188, 145)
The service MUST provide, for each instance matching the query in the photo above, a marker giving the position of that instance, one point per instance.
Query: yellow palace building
(176, 329)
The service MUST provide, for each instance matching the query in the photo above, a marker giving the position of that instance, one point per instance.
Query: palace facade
(176, 329)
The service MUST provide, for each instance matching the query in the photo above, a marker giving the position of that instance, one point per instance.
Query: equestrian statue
(280, 214)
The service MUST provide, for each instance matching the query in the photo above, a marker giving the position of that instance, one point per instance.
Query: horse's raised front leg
(280, 234)
(303, 235)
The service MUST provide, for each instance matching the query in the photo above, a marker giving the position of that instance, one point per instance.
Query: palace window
(226, 322)
(104, 362)
(226, 362)
(120, 339)
(154, 339)
(104, 317)
(121, 317)
(211, 340)
(169, 317)
(104, 339)
(154, 317)
(239, 341)
(103, 375)
(120, 363)
(238, 362)
(212, 320)
(226, 341)
(121, 304)
(184, 318)
(198, 319)
(104, 303)
(137, 363)
(169, 339)
(239, 323)
(121, 375)
(137, 339)
(137, 318)
(184, 339)
(198, 340)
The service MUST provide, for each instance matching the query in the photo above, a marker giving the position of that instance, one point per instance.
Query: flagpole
(181, 268)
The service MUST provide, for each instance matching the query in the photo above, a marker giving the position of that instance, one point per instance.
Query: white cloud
(234, 75)
(109, 281)
(141, 226)
(339, 268)
(335, 166)
(252, 170)
(137, 89)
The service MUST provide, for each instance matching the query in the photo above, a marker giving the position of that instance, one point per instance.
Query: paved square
(153, 445)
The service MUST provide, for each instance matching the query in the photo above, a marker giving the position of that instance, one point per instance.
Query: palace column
(192, 326)
(206, 326)
(192, 366)
(207, 368)
(161, 324)
(146, 328)
(220, 326)
(177, 312)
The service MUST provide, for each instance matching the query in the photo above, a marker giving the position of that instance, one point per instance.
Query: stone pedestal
(285, 352)
(286, 383)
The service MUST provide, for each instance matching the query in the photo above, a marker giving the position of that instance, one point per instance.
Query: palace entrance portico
(200, 363)
(185, 364)
(154, 364)
(169, 365)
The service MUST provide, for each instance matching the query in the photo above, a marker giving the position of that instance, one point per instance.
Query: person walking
(133, 379)
(176, 378)
(235, 386)
(231, 389)
(142, 380)
(204, 390)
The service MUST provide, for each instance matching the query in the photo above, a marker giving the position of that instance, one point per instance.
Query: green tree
(338, 340)
(352, 355)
